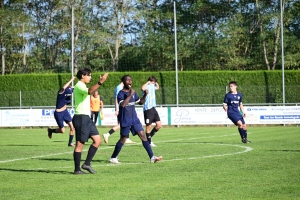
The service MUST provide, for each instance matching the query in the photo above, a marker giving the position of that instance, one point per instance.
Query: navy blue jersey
(64, 98)
(127, 115)
(233, 102)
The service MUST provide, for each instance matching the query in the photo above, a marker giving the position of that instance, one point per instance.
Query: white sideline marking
(110, 164)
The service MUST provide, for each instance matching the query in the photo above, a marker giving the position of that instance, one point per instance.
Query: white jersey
(150, 101)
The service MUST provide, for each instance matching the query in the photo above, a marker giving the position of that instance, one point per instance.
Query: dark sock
(241, 131)
(148, 135)
(147, 146)
(71, 139)
(117, 150)
(154, 130)
(77, 158)
(245, 134)
(53, 130)
(111, 131)
(91, 153)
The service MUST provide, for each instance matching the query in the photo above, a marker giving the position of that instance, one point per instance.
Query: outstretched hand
(103, 78)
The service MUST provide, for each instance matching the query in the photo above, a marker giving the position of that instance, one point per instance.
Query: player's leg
(94, 135)
(138, 128)
(123, 135)
(111, 131)
(59, 118)
(71, 135)
(80, 140)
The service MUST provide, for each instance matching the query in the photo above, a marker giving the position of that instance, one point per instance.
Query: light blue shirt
(116, 92)
(150, 101)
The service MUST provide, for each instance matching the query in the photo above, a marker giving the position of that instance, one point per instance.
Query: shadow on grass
(182, 142)
(71, 160)
(285, 150)
(36, 170)
(21, 145)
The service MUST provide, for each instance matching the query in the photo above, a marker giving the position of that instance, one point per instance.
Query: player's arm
(242, 109)
(95, 87)
(143, 99)
(101, 103)
(67, 84)
(126, 101)
(225, 107)
(144, 87)
(156, 85)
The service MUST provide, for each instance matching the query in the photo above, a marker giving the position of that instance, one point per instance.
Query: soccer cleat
(129, 141)
(244, 140)
(79, 172)
(71, 145)
(152, 144)
(105, 137)
(88, 168)
(155, 159)
(49, 133)
(114, 160)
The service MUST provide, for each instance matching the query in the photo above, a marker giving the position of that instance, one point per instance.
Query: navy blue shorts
(151, 116)
(236, 118)
(84, 127)
(61, 117)
(135, 128)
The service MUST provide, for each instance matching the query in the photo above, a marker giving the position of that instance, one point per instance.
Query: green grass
(199, 163)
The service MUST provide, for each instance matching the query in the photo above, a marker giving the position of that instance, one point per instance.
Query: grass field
(199, 163)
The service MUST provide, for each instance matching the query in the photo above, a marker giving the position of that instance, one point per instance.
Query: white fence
(168, 115)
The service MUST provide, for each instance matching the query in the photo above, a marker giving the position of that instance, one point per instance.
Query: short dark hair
(233, 82)
(123, 79)
(83, 71)
(152, 78)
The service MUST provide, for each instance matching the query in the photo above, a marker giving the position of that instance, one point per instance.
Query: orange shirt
(95, 103)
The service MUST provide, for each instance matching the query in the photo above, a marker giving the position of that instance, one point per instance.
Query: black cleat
(244, 140)
(88, 168)
(79, 172)
(49, 133)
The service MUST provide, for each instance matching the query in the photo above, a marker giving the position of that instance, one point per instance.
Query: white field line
(103, 148)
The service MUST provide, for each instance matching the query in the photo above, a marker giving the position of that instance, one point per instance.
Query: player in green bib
(84, 126)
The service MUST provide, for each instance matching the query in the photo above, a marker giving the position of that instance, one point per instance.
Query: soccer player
(84, 126)
(111, 131)
(96, 106)
(61, 113)
(231, 105)
(127, 98)
(150, 112)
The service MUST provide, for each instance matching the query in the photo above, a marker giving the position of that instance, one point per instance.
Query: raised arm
(95, 87)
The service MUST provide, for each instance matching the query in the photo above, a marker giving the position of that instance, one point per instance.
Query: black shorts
(151, 116)
(84, 127)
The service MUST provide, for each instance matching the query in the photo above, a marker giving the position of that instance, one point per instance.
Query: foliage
(113, 35)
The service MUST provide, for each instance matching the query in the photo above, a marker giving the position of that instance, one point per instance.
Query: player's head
(84, 74)
(95, 93)
(233, 86)
(127, 81)
(152, 79)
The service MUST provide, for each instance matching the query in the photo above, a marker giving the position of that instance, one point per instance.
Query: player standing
(150, 112)
(231, 105)
(129, 122)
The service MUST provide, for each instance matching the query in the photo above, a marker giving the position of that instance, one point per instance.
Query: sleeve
(120, 97)
(82, 89)
(137, 98)
(100, 97)
(225, 99)
(241, 99)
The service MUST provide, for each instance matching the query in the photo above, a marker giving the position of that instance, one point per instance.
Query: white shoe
(128, 141)
(152, 144)
(114, 160)
(155, 159)
(105, 137)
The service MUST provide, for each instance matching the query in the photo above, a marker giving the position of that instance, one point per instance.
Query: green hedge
(195, 87)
